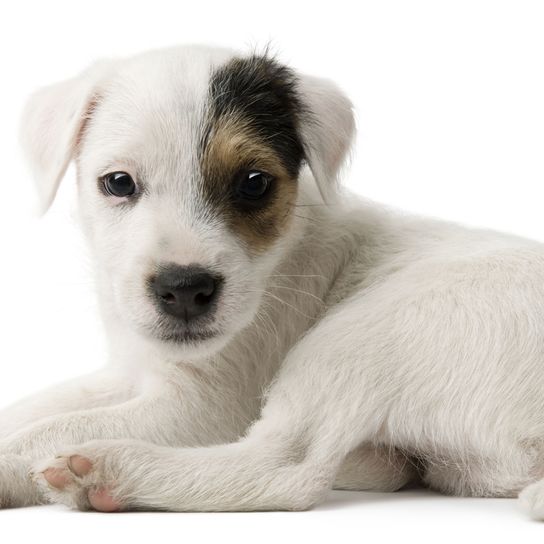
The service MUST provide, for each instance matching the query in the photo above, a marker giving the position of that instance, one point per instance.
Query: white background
(450, 103)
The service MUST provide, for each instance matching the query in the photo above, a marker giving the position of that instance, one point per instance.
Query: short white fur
(362, 340)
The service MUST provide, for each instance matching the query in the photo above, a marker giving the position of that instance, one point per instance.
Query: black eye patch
(263, 93)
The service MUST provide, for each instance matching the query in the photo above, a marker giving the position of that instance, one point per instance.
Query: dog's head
(188, 164)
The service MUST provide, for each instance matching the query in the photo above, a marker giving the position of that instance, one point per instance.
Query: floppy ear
(52, 121)
(327, 131)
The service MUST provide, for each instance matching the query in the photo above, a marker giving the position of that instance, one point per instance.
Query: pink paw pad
(102, 500)
(57, 477)
(79, 465)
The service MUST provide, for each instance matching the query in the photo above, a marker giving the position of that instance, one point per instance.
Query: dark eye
(253, 185)
(119, 184)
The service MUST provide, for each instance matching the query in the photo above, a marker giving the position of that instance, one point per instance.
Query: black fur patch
(262, 92)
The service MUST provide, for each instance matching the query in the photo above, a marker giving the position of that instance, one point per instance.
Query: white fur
(362, 340)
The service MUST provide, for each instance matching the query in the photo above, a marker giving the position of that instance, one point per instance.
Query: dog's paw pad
(52, 473)
(102, 500)
(79, 465)
(79, 480)
(57, 477)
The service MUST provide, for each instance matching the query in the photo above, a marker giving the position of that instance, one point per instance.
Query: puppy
(271, 335)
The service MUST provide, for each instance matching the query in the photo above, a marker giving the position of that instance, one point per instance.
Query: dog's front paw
(85, 477)
(16, 487)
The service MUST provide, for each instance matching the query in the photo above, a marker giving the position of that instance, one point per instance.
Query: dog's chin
(194, 340)
(193, 343)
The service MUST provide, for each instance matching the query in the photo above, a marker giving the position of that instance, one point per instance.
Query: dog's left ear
(327, 131)
(51, 125)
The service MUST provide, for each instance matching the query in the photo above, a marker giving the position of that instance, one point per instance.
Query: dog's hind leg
(375, 468)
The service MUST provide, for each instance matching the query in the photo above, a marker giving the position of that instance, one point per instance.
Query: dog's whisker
(300, 291)
(279, 299)
(310, 219)
(298, 276)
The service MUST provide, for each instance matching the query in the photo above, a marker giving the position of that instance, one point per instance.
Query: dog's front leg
(322, 405)
(102, 388)
(136, 418)
(161, 417)
(281, 464)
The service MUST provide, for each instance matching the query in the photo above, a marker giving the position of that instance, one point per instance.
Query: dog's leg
(532, 499)
(166, 415)
(16, 486)
(367, 468)
(100, 389)
(19, 451)
(322, 405)
(135, 418)
(96, 390)
(375, 468)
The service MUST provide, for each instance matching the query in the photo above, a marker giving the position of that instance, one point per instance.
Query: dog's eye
(119, 184)
(253, 185)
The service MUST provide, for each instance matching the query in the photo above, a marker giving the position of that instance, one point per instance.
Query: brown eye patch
(252, 126)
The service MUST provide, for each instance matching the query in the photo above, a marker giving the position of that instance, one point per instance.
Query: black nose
(185, 292)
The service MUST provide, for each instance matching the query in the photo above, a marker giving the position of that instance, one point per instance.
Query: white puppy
(271, 336)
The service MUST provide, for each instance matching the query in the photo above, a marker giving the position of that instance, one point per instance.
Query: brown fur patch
(254, 114)
(232, 146)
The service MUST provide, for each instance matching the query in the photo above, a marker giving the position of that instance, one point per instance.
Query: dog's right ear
(52, 122)
(327, 131)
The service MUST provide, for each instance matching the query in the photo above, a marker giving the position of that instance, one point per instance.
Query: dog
(272, 336)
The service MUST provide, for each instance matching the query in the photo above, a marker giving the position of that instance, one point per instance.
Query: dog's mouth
(186, 336)
(177, 332)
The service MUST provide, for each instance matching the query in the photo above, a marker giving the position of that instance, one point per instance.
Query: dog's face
(188, 170)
